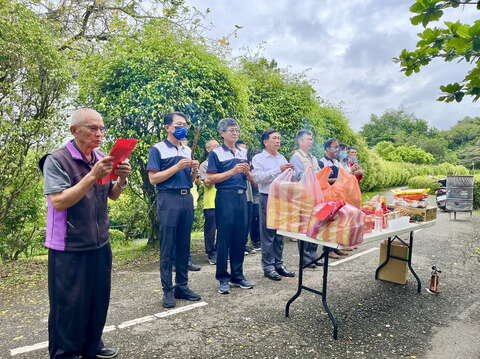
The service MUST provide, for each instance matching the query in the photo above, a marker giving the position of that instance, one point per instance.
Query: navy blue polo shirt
(222, 159)
(164, 155)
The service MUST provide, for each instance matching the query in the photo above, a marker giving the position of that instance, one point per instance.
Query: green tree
(393, 126)
(34, 79)
(465, 132)
(135, 81)
(455, 41)
(281, 100)
(412, 153)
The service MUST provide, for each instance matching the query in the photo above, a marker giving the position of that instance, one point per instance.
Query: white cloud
(348, 47)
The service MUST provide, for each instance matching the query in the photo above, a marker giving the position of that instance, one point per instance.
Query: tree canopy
(455, 41)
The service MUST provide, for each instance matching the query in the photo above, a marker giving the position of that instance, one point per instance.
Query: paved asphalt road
(376, 319)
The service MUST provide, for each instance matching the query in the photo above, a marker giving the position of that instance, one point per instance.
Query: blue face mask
(342, 155)
(180, 133)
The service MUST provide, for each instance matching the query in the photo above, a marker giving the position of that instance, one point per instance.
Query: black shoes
(284, 272)
(193, 267)
(272, 275)
(212, 259)
(186, 293)
(106, 353)
(168, 299)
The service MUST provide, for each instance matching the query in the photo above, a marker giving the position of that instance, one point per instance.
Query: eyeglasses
(184, 125)
(95, 129)
(233, 130)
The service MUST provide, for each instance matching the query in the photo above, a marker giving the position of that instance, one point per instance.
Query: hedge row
(383, 174)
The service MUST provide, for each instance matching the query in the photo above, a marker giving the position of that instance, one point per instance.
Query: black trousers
(210, 231)
(309, 251)
(79, 291)
(231, 215)
(175, 218)
(254, 223)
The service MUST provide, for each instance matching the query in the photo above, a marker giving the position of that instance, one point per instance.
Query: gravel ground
(376, 319)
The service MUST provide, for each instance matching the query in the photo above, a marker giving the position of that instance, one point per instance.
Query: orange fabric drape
(345, 188)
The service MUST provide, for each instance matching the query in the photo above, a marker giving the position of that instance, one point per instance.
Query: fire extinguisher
(434, 286)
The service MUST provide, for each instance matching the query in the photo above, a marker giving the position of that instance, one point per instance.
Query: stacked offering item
(414, 198)
(290, 204)
(337, 222)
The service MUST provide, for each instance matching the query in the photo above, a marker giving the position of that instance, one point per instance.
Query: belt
(238, 191)
(264, 194)
(176, 191)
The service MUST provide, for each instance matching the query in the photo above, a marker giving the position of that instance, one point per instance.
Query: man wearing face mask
(170, 169)
(332, 153)
(354, 164)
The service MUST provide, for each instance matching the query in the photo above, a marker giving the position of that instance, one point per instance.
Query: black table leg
(300, 280)
(322, 293)
(410, 251)
(326, 250)
(408, 260)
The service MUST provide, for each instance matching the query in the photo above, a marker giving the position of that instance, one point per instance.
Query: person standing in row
(209, 193)
(79, 253)
(267, 165)
(170, 169)
(331, 159)
(229, 170)
(302, 159)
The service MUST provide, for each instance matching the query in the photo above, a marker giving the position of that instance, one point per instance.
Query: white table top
(369, 237)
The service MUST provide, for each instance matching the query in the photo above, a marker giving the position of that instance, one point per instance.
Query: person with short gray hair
(77, 238)
(229, 170)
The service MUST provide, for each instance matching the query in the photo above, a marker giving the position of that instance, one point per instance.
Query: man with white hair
(79, 254)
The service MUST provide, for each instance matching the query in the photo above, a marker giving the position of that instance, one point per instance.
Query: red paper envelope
(121, 150)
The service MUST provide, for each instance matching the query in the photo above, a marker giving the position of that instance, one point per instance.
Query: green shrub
(384, 174)
(424, 182)
(405, 153)
(117, 236)
(476, 192)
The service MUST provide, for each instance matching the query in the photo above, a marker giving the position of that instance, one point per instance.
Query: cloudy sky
(347, 47)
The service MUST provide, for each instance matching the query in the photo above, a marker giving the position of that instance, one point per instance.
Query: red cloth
(121, 150)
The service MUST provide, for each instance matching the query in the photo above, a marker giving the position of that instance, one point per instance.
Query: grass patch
(28, 272)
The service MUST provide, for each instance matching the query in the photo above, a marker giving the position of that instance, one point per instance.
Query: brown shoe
(342, 253)
(333, 255)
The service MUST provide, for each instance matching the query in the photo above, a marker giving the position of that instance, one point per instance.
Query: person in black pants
(228, 168)
(79, 254)
(170, 169)
(209, 193)
(267, 166)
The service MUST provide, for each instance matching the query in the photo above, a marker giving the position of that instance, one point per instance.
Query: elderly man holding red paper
(79, 257)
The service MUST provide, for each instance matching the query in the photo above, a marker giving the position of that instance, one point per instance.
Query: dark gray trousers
(272, 243)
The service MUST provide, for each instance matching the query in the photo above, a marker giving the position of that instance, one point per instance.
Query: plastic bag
(345, 188)
(290, 204)
(346, 228)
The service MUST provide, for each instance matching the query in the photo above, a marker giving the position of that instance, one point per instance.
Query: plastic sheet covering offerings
(346, 228)
(290, 204)
(344, 189)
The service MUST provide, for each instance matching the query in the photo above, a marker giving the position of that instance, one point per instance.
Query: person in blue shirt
(229, 170)
(170, 169)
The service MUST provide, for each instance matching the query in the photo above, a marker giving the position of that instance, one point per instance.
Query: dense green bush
(383, 174)
(476, 192)
(424, 182)
(412, 154)
(117, 236)
(130, 213)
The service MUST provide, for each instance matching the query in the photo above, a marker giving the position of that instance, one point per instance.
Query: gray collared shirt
(266, 168)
